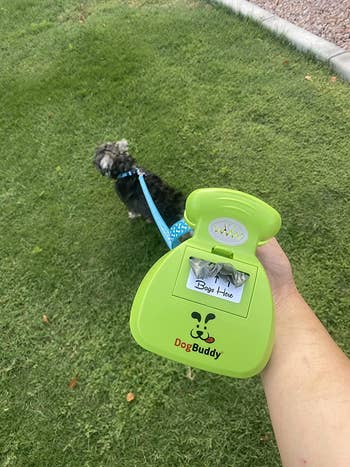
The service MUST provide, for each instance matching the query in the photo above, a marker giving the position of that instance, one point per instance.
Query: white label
(215, 287)
(228, 231)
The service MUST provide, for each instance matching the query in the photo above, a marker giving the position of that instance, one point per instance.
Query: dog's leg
(133, 215)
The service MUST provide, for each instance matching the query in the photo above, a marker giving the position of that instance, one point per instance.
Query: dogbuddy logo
(200, 332)
(228, 231)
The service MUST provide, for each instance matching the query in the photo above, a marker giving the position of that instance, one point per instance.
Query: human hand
(278, 270)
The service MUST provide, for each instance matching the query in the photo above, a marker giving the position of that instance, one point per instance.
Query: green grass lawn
(205, 98)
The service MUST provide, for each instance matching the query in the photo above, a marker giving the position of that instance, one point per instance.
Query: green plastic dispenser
(210, 323)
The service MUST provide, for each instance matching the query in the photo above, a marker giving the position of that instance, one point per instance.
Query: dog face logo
(200, 331)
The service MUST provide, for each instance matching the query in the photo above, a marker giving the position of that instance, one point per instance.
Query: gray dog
(114, 161)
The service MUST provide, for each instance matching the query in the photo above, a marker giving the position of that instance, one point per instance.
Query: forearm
(307, 387)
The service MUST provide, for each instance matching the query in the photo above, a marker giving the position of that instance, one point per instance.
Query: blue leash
(171, 236)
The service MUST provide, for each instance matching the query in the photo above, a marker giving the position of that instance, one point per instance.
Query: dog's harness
(129, 174)
(171, 236)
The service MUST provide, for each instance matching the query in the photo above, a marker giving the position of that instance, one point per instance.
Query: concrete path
(337, 57)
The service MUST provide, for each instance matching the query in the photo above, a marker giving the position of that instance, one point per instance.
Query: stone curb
(337, 57)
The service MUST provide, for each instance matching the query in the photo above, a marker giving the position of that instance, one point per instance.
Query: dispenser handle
(260, 220)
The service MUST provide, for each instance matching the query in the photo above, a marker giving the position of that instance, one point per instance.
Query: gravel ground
(329, 19)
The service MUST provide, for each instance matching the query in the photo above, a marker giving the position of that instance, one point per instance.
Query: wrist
(284, 296)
